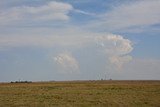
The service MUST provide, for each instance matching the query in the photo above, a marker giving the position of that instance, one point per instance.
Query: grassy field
(81, 94)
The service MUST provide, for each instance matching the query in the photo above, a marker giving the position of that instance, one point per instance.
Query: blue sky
(43, 40)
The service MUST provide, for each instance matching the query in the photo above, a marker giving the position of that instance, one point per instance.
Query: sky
(45, 40)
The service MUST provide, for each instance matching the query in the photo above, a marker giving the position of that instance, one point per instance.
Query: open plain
(81, 94)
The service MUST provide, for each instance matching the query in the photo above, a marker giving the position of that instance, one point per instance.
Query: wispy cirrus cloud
(133, 16)
(51, 11)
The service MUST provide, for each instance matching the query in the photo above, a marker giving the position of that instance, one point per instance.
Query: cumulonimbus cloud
(66, 63)
(114, 44)
(116, 48)
(119, 61)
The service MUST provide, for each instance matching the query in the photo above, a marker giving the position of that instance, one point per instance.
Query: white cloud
(114, 44)
(83, 12)
(51, 11)
(114, 47)
(66, 63)
(129, 16)
(119, 61)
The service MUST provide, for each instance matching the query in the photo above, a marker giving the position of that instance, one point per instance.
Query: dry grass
(81, 94)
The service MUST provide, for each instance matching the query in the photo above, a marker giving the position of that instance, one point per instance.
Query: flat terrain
(81, 94)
